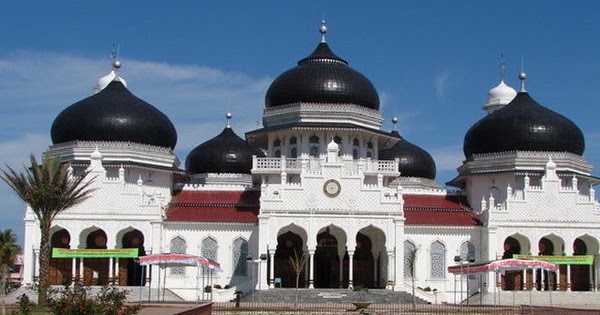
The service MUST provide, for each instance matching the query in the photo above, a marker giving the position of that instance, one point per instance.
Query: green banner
(561, 260)
(94, 253)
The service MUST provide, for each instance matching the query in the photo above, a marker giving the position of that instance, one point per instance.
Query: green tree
(48, 189)
(9, 249)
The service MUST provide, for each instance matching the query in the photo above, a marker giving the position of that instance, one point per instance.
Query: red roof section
(214, 206)
(438, 210)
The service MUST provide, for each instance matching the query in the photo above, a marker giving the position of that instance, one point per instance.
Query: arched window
(467, 251)
(294, 153)
(338, 140)
(208, 250)
(410, 257)
(355, 142)
(369, 154)
(313, 139)
(277, 143)
(177, 246)
(240, 253)
(314, 152)
(438, 260)
(293, 140)
(369, 145)
(277, 153)
(355, 154)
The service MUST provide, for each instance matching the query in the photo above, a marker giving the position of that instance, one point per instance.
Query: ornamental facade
(322, 181)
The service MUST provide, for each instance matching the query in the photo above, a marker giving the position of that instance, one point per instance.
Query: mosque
(321, 180)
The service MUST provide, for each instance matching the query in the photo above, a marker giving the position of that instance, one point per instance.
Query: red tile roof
(214, 206)
(438, 210)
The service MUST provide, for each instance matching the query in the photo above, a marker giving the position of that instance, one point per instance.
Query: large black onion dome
(413, 160)
(225, 153)
(524, 125)
(114, 114)
(322, 77)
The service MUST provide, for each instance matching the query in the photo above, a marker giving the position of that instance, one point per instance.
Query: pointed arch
(409, 259)
(177, 245)
(239, 256)
(208, 249)
(437, 252)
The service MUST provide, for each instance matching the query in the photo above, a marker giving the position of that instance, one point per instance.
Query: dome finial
(502, 66)
(228, 116)
(394, 122)
(323, 30)
(115, 57)
(522, 75)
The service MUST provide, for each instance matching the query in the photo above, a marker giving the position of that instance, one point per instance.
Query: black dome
(225, 153)
(114, 114)
(322, 77)
(414, 161)
(525, 125)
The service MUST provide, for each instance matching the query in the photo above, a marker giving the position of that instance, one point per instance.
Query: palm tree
(8, 252)
(48, 189)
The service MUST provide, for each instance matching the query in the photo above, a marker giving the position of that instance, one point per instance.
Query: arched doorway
(60, 269)
(329, 268)
(512, 280)
(95, 270)
(580, 274)
(363, 261)
(289, 247)
(130, 271)
(545, 279)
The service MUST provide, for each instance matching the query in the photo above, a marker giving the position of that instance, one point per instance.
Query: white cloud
(441, 83)
(36, 86)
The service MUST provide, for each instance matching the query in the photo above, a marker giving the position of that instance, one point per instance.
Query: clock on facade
(332, 188)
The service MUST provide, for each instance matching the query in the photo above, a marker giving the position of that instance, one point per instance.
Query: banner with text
(94, 253)
(561, 260)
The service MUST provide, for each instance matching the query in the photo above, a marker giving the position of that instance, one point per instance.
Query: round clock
(332, 188)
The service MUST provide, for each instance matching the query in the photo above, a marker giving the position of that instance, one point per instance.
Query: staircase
(337, 296)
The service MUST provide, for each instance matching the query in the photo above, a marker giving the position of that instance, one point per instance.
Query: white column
(399, 255)
(568, 277)
(111, 269)
(73, 269)
(311, 279)
(350, 267)
(36, 266)
(117, 272)
(272, 269)
(390, 271)
(81, 270)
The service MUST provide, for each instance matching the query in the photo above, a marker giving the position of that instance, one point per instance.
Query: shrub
(76, 300)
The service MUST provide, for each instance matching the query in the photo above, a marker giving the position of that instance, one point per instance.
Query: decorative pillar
(568, 278)
(81, 270)
(111, 275)
(73, 269)
(272, 269)
(390, 270)
(118, 271)
(311, 258)
(350, 268)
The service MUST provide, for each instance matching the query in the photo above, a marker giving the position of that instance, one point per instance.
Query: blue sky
(431, 61)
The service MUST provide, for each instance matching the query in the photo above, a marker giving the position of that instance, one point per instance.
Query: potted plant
(361, 294)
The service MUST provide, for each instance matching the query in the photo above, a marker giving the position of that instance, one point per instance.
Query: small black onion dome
(413, 160)
(225, 153)
(322, 77)
(524, 125)
(114, 114)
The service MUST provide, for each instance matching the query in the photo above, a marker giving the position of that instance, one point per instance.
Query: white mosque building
(322, 179)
